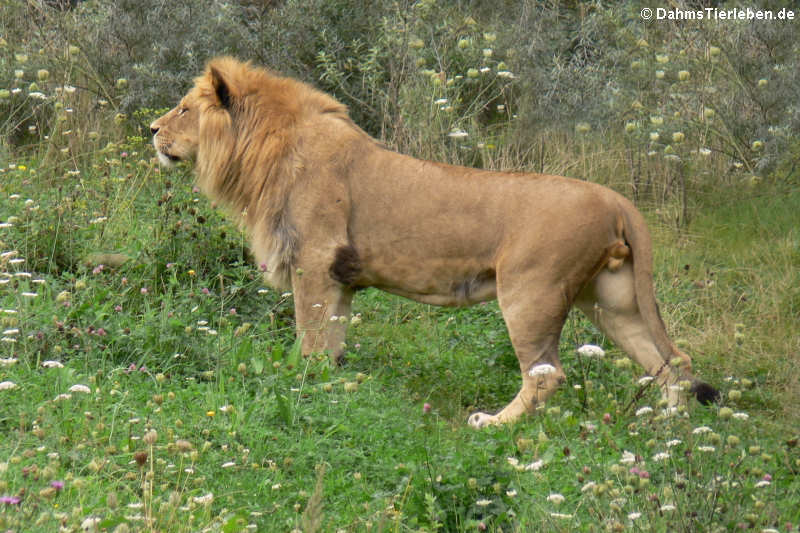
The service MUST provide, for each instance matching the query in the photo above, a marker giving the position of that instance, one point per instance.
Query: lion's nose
(153, 129)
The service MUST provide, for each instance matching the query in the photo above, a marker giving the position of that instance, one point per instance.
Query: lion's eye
(182, 110)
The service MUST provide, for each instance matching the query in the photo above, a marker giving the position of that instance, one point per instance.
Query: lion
(329, 210)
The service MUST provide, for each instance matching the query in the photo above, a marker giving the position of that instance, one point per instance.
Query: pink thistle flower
(58, 485)
(117, 308)
(232, 311)
(143, 290)
(426, 408)
(10, 500)
(205, 291)
(99, 268)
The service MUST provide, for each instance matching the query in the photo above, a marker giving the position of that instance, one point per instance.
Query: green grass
(202, 415)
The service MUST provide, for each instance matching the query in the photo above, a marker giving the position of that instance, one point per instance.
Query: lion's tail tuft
(706, 394)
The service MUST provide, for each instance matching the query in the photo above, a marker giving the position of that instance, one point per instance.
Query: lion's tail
(638, 238)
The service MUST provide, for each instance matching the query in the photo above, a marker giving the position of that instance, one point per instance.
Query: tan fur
(329, 210)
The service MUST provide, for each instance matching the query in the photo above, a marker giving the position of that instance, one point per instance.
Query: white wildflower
(458, 134)
(90, 524)
(589, 486)
(701, 429)
(541, 370)
(740, 416)
(206, 499)
(52, 364)
(8, 361)
(644, 410)
(591, 350)
(228, 464)
(8, 385)
(667, 507)
(534, 466)
(555, 498)
(762, 483)
(706, 449)
(80, 388)
(645, 380)
(662, 456)
(483, 503)
(634, 516)
(627, 457)
(561, 515)
(673, 442)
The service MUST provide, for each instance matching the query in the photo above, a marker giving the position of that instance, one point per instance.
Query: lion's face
(176, 134)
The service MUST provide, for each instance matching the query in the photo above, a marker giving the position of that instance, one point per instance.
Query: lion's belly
(434, 281)
(454, 298)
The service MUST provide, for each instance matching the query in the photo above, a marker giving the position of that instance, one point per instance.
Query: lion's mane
(248, 157)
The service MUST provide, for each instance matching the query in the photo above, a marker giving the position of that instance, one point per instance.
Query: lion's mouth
(167, 159)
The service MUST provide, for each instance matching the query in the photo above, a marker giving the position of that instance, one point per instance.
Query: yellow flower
(210, 414)
(191, 272)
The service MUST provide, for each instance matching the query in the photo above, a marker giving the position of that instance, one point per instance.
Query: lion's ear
(221, 88)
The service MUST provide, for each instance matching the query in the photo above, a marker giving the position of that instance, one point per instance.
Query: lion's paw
(481, 420)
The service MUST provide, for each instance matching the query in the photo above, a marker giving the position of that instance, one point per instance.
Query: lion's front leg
(322, 312)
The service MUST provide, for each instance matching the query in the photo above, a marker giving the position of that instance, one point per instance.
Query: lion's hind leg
(609, 301)
(534, 324)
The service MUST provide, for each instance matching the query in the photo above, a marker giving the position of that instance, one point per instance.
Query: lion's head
(176, 134)
(238, 126)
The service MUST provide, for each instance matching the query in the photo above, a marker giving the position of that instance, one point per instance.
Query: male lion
(329, 211)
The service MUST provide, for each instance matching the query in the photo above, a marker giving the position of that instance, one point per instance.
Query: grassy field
(150, 383)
